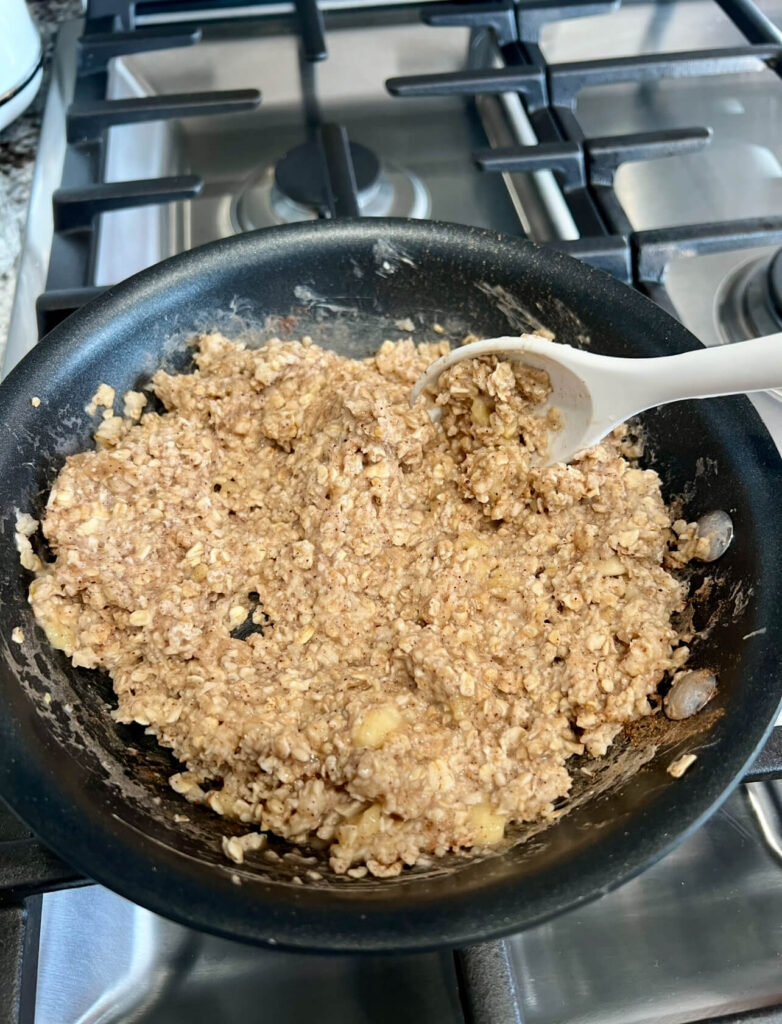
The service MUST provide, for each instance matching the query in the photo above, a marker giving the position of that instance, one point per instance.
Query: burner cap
(300, 173)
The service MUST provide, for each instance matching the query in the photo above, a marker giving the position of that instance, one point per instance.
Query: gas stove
(645, 139)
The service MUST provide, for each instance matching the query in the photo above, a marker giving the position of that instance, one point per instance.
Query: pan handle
(488, 987)
(768, 764)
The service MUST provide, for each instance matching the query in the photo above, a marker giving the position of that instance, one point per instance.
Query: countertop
(18, 144)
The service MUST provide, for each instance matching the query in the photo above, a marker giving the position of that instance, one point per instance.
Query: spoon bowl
(595, 393)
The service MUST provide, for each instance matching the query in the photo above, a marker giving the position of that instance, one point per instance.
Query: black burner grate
(585, 167)
(26, 870)
(78, 204)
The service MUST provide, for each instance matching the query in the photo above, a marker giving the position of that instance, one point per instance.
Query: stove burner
(294, 190)
(300, 173)
(749, 303)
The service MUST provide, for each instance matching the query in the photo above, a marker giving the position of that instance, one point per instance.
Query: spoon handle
(754, 365)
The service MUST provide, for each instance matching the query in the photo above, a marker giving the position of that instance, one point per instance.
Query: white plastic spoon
(596, 393)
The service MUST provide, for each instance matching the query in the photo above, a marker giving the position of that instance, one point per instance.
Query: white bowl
(20, 60)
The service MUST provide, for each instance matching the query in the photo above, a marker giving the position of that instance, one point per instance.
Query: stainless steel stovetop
(698, 936)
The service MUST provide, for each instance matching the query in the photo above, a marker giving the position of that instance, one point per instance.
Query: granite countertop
(18, 144)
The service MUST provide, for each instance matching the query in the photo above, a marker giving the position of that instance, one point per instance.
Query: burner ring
(750, 302)
(775, 284)
(300, 174)
(260, 203)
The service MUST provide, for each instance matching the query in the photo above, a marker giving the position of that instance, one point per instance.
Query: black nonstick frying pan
(97, 792)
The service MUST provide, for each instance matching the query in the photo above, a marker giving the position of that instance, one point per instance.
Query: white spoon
(596, 393)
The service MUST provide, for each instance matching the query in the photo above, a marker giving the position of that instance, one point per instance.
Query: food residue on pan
(355, 628)
(405, 324)
(235, 847)
(678, 767)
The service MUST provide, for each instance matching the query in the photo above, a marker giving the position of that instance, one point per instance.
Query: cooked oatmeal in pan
(351, 625)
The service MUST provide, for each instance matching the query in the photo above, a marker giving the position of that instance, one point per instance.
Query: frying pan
(97, 792)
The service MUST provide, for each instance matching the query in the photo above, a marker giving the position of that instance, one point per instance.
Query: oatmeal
(352, 625)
